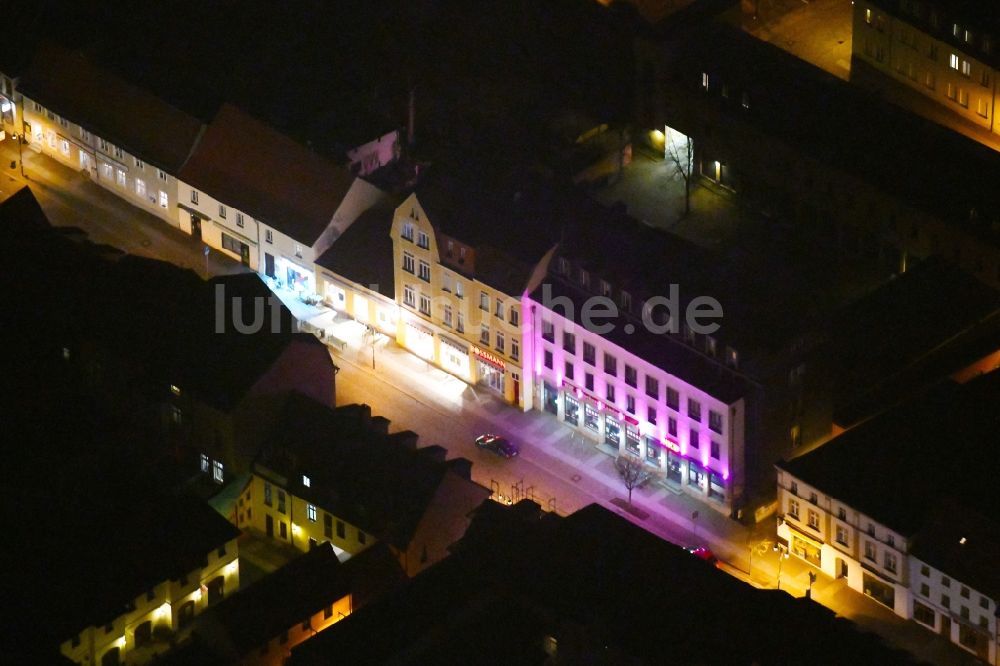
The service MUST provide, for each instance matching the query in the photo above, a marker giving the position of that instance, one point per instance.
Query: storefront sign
(492, 359)
(673, 446)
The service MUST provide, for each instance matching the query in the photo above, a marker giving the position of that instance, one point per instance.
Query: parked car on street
(498, 445)
(703, 553)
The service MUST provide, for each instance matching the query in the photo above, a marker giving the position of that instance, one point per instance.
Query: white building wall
(375, 154)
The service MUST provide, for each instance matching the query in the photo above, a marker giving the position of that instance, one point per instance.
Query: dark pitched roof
(144, 125)
(248, 165)
(363, 253)
(517, 578)
(890, 467)
(509, 219)
(963, 543)
(376, 481)
(908, 334)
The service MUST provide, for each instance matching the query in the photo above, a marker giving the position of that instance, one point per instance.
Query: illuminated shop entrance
(572, 413)
(550, 398)
(454, 357)
(808, 551)
(674, 463)
(490, 369)
(612, 432)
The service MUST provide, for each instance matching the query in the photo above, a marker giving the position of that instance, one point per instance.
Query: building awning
(194, 211)
(420, 327)
(455, 345)
(804, 537)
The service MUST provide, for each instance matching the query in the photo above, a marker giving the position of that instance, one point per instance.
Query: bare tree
(634, 474)
(679, 152)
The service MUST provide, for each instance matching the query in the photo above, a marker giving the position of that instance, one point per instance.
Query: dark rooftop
(363, 253)
(891, 467)
(896, 151)
(379, 482)
(516, 579)
(72, 86)
(246, 164)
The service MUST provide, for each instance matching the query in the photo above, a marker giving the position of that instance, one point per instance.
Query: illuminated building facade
(162, 608)
(869, 507)
(337, 476)
(460, 272)
(626, 393)
(944, 52)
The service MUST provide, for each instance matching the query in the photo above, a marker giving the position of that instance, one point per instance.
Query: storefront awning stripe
(456, 345)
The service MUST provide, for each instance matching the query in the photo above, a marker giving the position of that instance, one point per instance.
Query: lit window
(64, 146)
(140, 187)
(164, 199)
(966, 68)
(204, 463)
(306, 481)
(161, 174)
(868, 16)
(120, 176)
(311, 512)
(298, 250)
(407, 231)
(176, 390)
(217, 471)
(139, 163)
(423, 240)
(704, 80)
(953, 61)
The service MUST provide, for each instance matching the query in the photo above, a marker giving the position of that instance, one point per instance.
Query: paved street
(73, 200)
(556, 468)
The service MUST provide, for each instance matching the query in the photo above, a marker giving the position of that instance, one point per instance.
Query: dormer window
(423, 240)
(306, 481)
(407, 231)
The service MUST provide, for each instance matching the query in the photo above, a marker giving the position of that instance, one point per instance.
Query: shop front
(881, 591)
(675, 465)
(295, 276)
(419, 339)
(571, 413)
(612, 432)
(490, 369)
(808, 549)
(455, 357)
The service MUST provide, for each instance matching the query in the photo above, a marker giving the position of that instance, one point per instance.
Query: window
(966, 68)
(589, 354)
(651, 415)
(842, 513)
(267, 494)
(714, 421)
(945, 581)
(841, 535)
(298, 250)
(64, 146)
(704, 80)
(631, 376)
(693, 438)
(231, 244)
(484, 334)
(204, 463)
(139, 163)
(409, 296)
(239, 220)
(932, 51)
(610, 364)
(268, 236)
(673, 398)
(327, 526)
(964, 591)
(460, 322)
(217, 471)
(588, 382)
(515, 318)
(306, 481)
(694, 409)
(311, 512)
(515, 349)
(423, 240)
(484, 301)
(630, 404)
(925, 589)
(446, 282)
(548, 359)
(869, 551)
(161, 174)
(548, 331)
(407, 231)
(446, 316)
(569, 342)
(425, 305)
(498, 309)
(868, 16)
(890, 562)
(946, 601)
(794, 488)
(813, 498)
(140, 187)
(222, 211)
(425, 271)
(963, 97)
(925, 571)
(500, 344)
(813, 519)
(953, 61)
(611, 393)
(120, 177)
(569, 370)
(341, 532)
(119, 153)
(715, 450)
(923, 614)
(652, 387)
(194, 196)
(281, 501)
(793, 508)
(891, 540)
(984, 603)
(408, 262)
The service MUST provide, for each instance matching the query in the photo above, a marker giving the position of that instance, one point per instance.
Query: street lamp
(782, 552)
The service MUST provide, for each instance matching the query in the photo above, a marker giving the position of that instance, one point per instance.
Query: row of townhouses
(882, 507)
